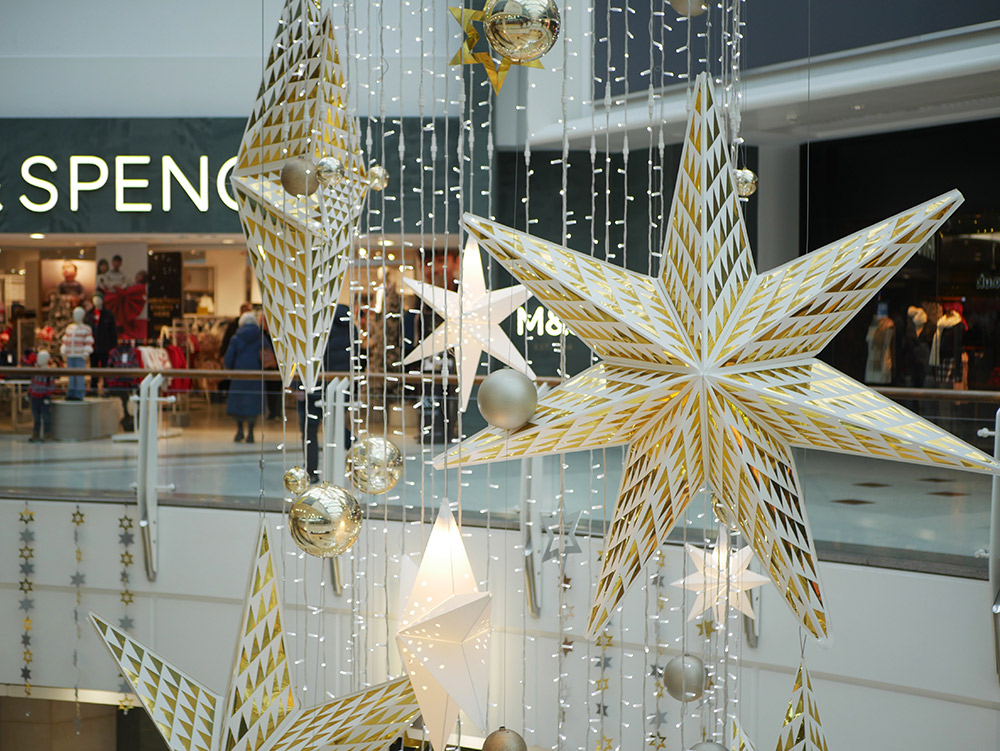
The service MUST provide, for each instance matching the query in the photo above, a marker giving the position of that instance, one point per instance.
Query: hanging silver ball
(296, 480)
(378, 177)
(298, 176)
(325, 520)
(708, 746)
(374, 464)
(685, 677)
(746, 182)
(507, 399)
(689, 8)
(521, 30)
(504, 740)
(330, 171)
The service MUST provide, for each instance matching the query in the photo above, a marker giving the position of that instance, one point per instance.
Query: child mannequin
(40, 391)
(77, 344)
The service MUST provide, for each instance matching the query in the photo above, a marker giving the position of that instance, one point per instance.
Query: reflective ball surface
(296, 480)
(330, 171)
(378, 177)
(507, 399)
(708, 746)
(746, 182)
(374, 464)
(504, 740)
(298, 176)
(325, 520)
(521, 30)
(689, 7)
(684, 677)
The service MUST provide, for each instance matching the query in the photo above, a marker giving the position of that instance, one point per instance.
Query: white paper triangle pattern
(444, 633)
(709, 580)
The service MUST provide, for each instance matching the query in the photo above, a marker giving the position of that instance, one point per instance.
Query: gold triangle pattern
(802, 729)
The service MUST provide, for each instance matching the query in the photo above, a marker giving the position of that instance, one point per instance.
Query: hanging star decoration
(707, 628)
(466, 55)
(259, 711)
(299, 245)
(444, 632)
(802, 729)
(709, 372)
(26, 604)
(562, 540)
(716, 591)
(738, 739)
(472, 318)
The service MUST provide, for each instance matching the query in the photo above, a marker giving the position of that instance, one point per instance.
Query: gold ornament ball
(507, 399)
(685, 677)
(298, 176)
(746, 183)
(504, 740)
(374, 464)
(521, 30)
(708, 746)
(689, 8)
(330, 171)
(296, 480)
(378, 178)
(325, 520)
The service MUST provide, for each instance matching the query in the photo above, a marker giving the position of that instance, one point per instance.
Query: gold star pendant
(27, 516)
(260, 711)
(78, 517)
(497, 73)
(709, 373)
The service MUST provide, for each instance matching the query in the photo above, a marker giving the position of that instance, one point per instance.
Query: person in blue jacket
(245, 395)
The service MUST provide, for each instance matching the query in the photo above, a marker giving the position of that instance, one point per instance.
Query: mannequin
(102, 325)
(40, 392)
(881, 344)
(946, 347)
(917, 347)
(77, 344)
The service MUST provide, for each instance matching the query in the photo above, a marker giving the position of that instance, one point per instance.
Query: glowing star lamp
(472, 318)
(444, 632)
(259, 712)
(715, 590)
(709, 375)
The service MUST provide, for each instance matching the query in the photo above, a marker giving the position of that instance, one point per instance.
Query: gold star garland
(656, 739)
(497, 73)
(27, 603)
(77, 581)
(126, 623)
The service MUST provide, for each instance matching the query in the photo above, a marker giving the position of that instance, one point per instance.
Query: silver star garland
(27, 604)
(77, 581)
(126, 622)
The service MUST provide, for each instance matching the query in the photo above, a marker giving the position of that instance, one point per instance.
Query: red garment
(126, 304)
(178, 362)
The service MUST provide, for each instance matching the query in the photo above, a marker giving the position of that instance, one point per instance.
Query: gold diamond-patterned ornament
(299, 243)
(802, 729)
(709, 373)
(259, 712)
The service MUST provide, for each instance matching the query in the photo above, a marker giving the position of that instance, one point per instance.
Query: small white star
(709, 581)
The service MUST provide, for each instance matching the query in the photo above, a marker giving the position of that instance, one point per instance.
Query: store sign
(131, 175)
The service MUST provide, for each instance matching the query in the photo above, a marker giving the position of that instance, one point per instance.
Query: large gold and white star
(709, 373)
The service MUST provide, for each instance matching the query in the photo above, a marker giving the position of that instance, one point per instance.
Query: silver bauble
(330, 171)
(507, 399)
(378, 177)
(296, 480)
(746, 182)
(298, 176)
(325, 520)
(708, 746)
(504, 740)
(684, 677)
(521, 30)
(689, 8)
(374, 464)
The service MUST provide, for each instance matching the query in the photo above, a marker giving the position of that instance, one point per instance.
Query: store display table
(90, 419)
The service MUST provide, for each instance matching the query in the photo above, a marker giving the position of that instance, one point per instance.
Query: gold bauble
(507, 399)
(298, 176)
(330, 171)
(374, 464)
(325, 520)
(521, 30)
(378, 178)
(296, 480)
(685, 677)
(689, 8)
(504, 740)
(746, 182)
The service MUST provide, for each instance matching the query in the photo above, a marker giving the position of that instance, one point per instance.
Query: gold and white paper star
(259, 712)
(738, 739)
(709, 372)
(472, 318)
(716, 591)
(299, 245)
(802, 729)
(444, 633)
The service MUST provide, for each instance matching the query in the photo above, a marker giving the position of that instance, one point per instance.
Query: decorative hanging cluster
(26, 605)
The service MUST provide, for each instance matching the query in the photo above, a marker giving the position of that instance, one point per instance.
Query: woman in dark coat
(245, 395)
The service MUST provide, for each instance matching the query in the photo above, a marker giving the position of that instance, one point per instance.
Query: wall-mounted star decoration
(472, 318)
(716, 591)
(444, 633)
(709, 372)
(496, 72)
(259, 712)
(299, 244)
